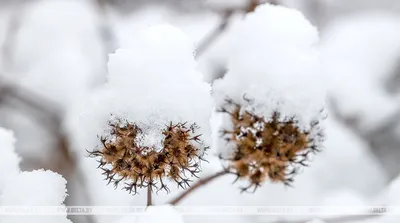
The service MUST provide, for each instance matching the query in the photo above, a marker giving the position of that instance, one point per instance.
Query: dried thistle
(123, 158)
(272, 148)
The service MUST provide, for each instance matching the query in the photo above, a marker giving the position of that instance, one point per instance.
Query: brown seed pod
(122, 158)
(272, 148)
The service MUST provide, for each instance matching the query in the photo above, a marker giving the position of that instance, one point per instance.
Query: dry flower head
(271, 148)
(122, 159)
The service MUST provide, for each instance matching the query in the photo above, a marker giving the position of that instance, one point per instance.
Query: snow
(393, 192)
(156, 214)
(152, 82)
(196, 25)
(315, 221)
(9, 160)
(274, 63)
(274, 56)
(35, 188)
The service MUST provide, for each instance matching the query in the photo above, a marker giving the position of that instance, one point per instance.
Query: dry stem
(199, 183)
(149, 202)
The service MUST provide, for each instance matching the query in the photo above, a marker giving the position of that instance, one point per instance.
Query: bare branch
(210, 38)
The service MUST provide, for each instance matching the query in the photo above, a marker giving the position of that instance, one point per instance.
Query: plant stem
(199, 183)
(149, 203)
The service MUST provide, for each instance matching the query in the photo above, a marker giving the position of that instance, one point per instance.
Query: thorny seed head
(122, 159)
(272, 148)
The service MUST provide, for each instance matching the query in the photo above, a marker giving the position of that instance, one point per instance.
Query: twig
(209, 39)
(105, 30)
(199, 183)
(43, 106)
(387, 125)
(213, 36)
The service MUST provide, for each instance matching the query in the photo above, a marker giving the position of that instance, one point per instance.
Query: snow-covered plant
(266, 149)
(268, 102)
(270, 113)
(146, 166)
(159, 129)
(21, 188)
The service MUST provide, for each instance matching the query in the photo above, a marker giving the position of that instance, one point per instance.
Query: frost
(275, 64)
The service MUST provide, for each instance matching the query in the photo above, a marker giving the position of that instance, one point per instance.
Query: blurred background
(53, 52)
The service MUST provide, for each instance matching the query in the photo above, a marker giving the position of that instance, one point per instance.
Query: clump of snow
(35, 188)
(155, 214)
(9, 160)
(38, 187)
(152, 82)
(274, 61)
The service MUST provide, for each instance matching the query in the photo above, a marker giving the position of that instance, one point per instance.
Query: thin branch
(199, 184)
(385, 126)
(210, 38)
(44, 107)
(217, 31)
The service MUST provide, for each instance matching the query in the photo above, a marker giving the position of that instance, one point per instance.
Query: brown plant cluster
(122, 159)
(271, 148)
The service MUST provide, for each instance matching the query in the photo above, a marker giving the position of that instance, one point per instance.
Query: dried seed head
(122, 158)
(272, 148)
